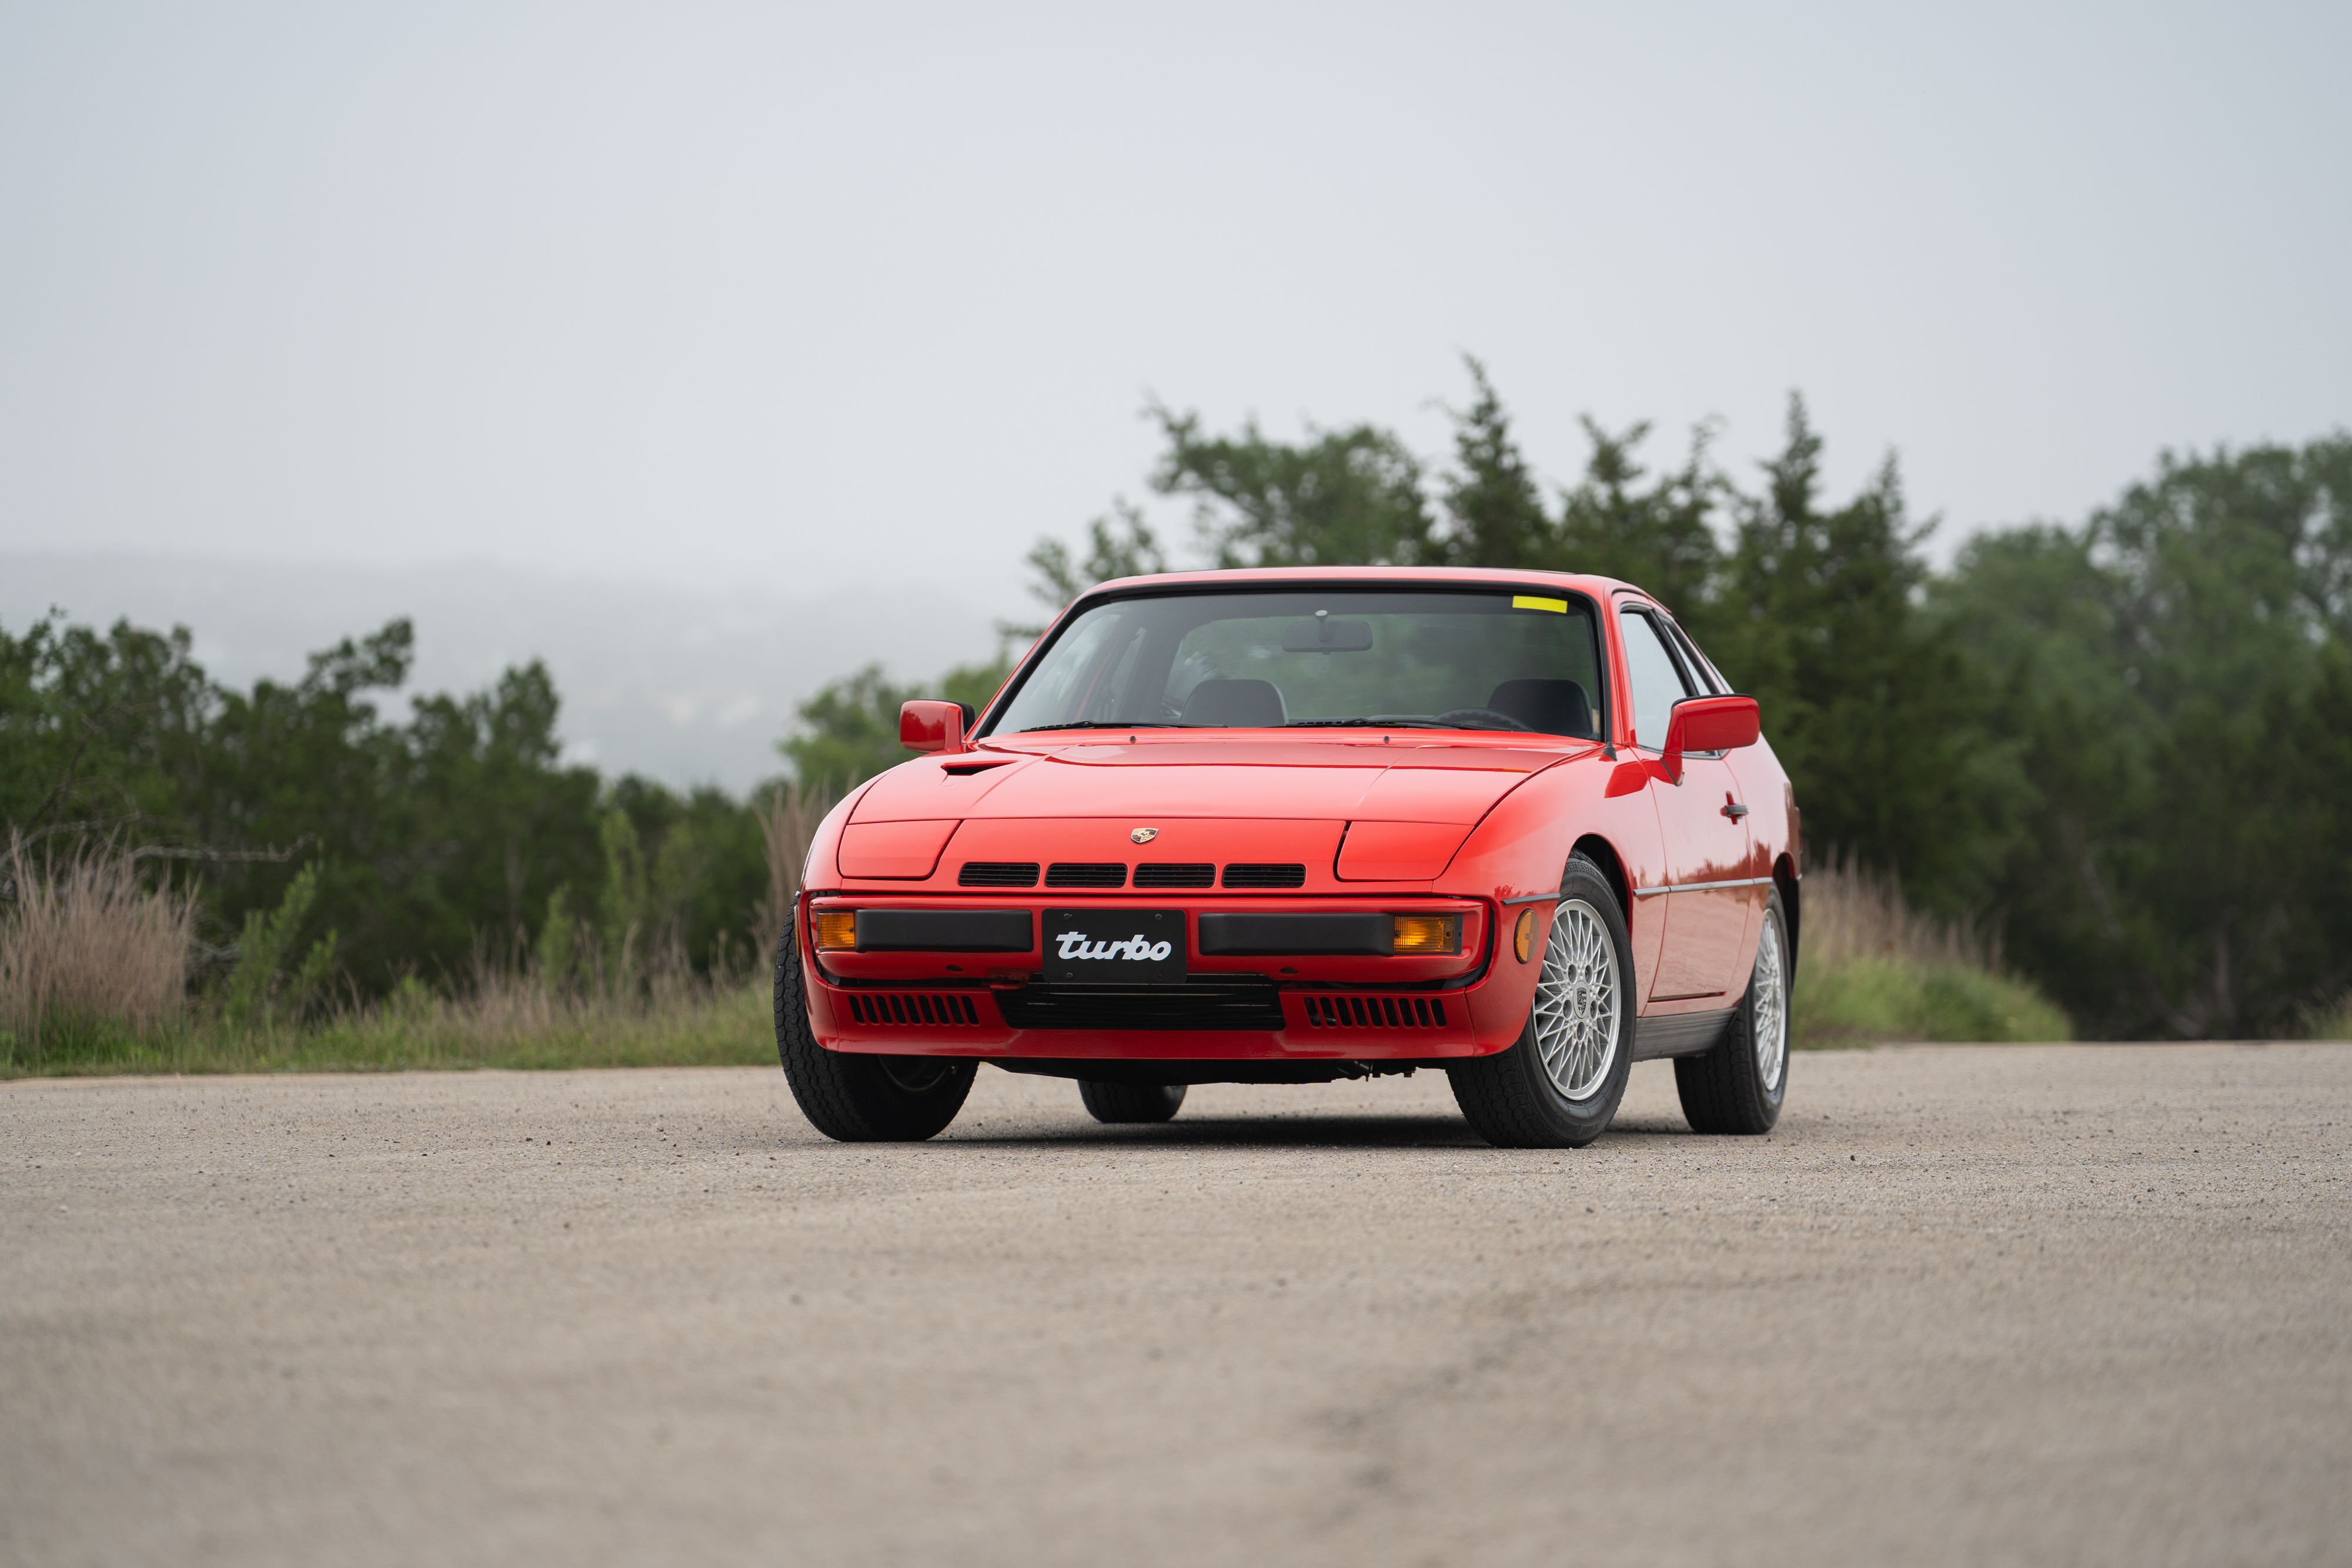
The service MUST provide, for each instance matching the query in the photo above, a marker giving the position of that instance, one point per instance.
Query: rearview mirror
(1324, 635)
(1709, 724)
(932, 727)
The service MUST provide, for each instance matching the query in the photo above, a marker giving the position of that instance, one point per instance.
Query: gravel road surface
(2066, 1304)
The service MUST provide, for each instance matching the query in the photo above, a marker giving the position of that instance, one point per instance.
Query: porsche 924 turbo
(1299, 825)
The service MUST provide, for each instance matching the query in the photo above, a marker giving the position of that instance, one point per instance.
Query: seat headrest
(1555, 707)
(1238, 705)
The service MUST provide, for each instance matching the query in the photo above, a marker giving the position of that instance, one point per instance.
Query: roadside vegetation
(93, 979)
(1870, 969)
(2120, 744)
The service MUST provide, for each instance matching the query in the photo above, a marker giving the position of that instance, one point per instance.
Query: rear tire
(1129, 1102)
(1520, 1098)
(855, 1098)
(1738, 1086)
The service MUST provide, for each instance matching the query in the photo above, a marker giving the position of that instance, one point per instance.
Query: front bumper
(1260, 1007)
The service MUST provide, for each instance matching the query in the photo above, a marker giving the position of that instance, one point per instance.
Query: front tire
(853, 1098)
(1559, 1085)
(1118, 1103)
(1737, 1087)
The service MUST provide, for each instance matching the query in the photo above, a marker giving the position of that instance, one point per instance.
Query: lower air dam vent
(1265, 876)
(1373, 1012)
(920, 1009)
(1203, 1003)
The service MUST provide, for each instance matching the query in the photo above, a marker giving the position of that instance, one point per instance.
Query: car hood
(1330, 779)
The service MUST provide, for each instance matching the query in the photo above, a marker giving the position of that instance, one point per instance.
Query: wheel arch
(1786, 882)
(1603, 853)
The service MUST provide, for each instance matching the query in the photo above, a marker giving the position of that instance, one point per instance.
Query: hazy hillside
(684, 685)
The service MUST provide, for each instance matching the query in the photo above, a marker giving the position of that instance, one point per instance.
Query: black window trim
(1679, 648)
(985, 730)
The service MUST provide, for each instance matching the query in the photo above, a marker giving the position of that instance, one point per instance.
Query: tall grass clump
(788, 817)
(1870, 969)
(2330, 1023)
(88, 957)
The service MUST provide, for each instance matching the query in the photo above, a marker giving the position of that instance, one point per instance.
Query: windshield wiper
(1109, 724)
(1368, 724)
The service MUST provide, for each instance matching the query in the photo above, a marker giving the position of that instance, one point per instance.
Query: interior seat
(1236, 705)
(1555, 707)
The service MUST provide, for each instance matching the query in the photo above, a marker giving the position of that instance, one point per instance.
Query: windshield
(1320, 657)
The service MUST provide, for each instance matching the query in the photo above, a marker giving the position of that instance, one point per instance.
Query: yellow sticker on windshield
(1530, 601)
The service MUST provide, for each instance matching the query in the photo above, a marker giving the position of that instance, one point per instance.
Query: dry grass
(85, 948)
(93, 975)
(788, 821)
(1851, 913)
(1872, 969)
(94, 970)
(502, 1021)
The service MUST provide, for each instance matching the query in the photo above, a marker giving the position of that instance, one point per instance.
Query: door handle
(1733, 809)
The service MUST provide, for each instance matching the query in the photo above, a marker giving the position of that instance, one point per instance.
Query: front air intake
(1249, 875)
(1176, 875)
(1085, 873)
(998, 873)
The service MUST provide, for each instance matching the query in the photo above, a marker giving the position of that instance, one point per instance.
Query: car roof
(1599, 588)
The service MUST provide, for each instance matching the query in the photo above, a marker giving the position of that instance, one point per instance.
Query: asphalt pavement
(2015, 1304)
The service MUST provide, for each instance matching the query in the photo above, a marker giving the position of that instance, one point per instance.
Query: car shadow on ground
(1283, 1132)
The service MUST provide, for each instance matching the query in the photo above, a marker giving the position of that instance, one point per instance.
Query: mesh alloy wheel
(1771, 1026)
(1577, 1001)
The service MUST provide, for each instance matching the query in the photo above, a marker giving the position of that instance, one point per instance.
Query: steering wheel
(1461, 717)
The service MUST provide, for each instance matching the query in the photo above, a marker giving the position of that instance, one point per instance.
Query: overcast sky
(851, 295)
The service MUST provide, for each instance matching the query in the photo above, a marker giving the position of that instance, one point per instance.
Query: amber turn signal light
(1523, 935)
(1427, 934)
(836, 930)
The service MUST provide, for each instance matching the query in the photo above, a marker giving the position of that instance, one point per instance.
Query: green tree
(1871, 712)
(849, 730)
(1659, 535)
(1341, 498)
(98, 732)
(1121, 544)
(1494, 514)
(2173, 680)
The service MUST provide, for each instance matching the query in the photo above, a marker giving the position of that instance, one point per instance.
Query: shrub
(87, 952)
(1869, 968)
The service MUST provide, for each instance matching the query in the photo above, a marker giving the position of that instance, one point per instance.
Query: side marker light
(1523, 937)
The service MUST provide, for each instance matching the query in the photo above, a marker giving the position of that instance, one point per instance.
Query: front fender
(823, 867)
(1520, 849)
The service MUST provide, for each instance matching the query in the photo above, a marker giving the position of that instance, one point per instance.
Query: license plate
(1116, 947)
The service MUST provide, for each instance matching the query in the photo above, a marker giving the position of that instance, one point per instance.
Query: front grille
(1372, 1012)
(1085, 873)
(926, 1010)
(1174, 875)
(1204, 1001)
(998, 873)
(1247, 875)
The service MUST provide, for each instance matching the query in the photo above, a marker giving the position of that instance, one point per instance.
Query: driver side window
(1656, 677)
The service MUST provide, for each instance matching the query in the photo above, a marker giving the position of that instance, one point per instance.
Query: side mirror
(932, 727)
(1709, 724)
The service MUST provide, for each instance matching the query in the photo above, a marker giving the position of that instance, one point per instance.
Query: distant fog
(681, 686)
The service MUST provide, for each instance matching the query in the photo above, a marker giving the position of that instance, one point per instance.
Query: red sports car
(1296, 825)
